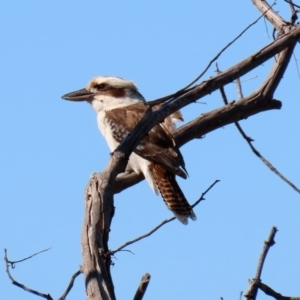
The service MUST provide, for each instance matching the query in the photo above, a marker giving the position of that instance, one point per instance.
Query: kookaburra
(119, 107)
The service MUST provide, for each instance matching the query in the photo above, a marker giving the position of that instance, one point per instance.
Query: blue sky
(50, 147)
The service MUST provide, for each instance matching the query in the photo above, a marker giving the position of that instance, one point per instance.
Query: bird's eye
(100, 86)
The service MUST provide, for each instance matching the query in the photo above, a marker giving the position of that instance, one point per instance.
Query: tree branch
(20, 285)
(12, 263)
(270, 292)
(71, 283)
(142, 287)
(163, 222)
(250, 140)
(253, 288)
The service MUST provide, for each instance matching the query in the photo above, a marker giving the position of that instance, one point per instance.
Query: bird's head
(105, 92)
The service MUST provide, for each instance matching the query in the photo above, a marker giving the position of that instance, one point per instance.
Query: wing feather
(158, 145)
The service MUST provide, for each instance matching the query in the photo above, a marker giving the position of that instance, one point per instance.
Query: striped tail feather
(171, 193)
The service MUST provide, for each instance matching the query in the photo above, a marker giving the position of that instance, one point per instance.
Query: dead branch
(270, 292)
(273, 17)
(9, 263)
(249, 140)
(71, 283)
(142, 287)
(253, 287)
(163, 222)
(288, 1)
(12, 263)
(20, 285)
(267, 245)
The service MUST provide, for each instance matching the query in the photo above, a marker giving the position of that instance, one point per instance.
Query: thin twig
(162, 223)
(20, 285)
(241, 295)
(270, 292)
(294, 16)
(64, 295)
(250, 78)
(239, 88)
(12, 263)
(143, 236)
(185, 89)
(266, 25)
(290, 2)
(142, 287)
(249, 140)
(266, 162)
(222, 50)
(297, 67)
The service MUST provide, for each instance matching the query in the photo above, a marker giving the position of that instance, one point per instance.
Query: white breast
(136, 163)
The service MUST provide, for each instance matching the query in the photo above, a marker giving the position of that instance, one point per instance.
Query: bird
(119, 107)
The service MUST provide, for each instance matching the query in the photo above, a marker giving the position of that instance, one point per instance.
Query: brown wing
(157, 146)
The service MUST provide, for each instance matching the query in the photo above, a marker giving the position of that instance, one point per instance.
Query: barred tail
(172, 194)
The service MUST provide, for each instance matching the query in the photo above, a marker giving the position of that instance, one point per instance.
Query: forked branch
(9, 263)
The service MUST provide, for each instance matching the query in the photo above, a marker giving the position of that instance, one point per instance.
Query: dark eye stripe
(100, 86)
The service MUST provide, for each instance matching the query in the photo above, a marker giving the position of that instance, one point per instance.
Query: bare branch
(12, 263)
(267, 245)
(63, 297)
(288, 1)
(144, 235)
(253, 287)
(142, 287)
(241, 295)
(20, 285)
(239, 88)
(186, 88)
(163, 222)
(249, 140)
(264, 160)
(294, 16)
(222, 50)
(270, 292)
(270, 14)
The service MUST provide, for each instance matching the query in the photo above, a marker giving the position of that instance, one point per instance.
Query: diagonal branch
(20, 285)
(12, 263)
(253, 287)
(245, 136)
(185, 89)
(270, 292)
(163, 222)
(142, 287)
(71, 283)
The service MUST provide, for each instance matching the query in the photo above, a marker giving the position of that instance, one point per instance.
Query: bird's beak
(80, 95)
